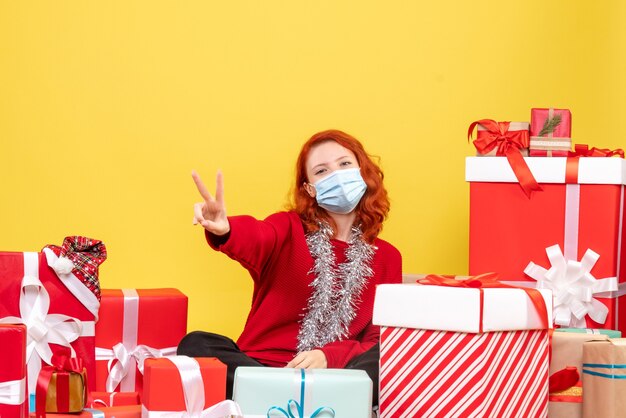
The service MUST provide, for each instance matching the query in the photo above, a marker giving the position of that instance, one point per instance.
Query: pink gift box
(545, 142)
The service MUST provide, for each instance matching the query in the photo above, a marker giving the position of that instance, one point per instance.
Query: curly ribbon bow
(509, 144)
(43, 328)
(488, 280)
(299, 406)
(127, 357)
(63, 366)
(193, 390)
(573, 287)
(583, 150)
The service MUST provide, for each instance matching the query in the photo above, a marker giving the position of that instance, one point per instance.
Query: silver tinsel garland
(336, 288)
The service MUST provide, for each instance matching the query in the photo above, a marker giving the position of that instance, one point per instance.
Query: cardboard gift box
(496, 138)
(567, 237)
(126, 411)
(62, 387)
(566, 397)
(456, 351)
(265, 391)
(508, 139)
(108, 399)
(13, 391)
(54, 292)
(182, 386)
(136, 324)
(604, 378)
(550, 132)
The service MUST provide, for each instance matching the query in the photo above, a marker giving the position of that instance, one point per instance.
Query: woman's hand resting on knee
(314, 359)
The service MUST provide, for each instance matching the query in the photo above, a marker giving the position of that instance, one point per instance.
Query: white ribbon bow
(43, 328)
(573, 287)
(193, 390)
(13, 392)
(123, 360)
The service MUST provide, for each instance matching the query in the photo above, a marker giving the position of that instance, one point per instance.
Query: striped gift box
(441, 358)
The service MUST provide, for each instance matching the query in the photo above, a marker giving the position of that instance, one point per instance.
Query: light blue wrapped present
(298, 393)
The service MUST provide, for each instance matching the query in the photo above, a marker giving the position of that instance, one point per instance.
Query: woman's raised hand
(211, 213)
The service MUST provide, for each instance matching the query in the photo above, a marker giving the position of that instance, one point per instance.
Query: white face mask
(341, 190)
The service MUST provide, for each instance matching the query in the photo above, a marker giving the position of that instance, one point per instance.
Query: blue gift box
(315, 393)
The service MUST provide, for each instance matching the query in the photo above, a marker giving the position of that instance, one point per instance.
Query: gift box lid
(591, 170)
(347, 392)
(457, 309)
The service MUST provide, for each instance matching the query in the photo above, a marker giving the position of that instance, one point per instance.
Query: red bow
(62, 365)
(583, 150)
(488, 280)
(563, 379)
(509, 144)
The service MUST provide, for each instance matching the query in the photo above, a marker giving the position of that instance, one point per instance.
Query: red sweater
(276, 254)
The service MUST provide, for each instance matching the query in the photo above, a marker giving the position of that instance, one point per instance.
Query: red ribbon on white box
(126, 357)
(43, 328)
(13, 392)
(570, 280)
(193, 390)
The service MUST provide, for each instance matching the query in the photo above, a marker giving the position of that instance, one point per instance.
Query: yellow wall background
(106, 107)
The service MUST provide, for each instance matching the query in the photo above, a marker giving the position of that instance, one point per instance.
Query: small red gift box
(169, 385)
(49, 294)
(550, 132)
(568, 237)
(136, 324)
(13, 393)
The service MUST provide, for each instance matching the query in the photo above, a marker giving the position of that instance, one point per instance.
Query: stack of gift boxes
(539, 337)
(546, 217)
(68, 349)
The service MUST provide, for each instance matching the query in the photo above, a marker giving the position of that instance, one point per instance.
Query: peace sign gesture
(211, 213)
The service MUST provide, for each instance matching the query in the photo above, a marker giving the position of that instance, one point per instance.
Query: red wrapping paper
(163, 389)
(107, 399)
(162, 323)
(13, 365)
(507, 230)
(62, 301)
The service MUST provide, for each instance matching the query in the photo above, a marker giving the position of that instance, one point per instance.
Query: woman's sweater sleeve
(250, 241)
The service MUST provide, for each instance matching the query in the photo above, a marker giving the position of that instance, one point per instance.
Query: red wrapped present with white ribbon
(13, 393)
(567, 238)
(55, 294)
(181, 387)
(136, 324)
(463, 349)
